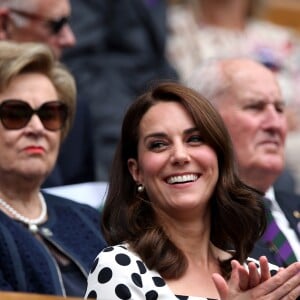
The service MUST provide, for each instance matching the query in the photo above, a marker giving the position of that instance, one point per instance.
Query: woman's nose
(180, 154)
(35, 124)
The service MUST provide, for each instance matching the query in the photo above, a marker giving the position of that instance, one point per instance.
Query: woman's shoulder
(119, 273)
(121, 258)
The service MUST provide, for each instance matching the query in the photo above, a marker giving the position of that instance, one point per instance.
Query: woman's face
(30, 151)
(179, 171)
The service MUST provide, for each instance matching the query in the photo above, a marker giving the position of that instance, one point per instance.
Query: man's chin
(272, 165)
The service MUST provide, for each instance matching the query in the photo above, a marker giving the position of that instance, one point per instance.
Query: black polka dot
(180, 297)
(137, 280)
(105, 275)
(158, 281)
(122, 292)
(151, 295)
(108, 249)
(141, 267)
(92, 295)
(95, 263)
(273, 272)
(123, 259)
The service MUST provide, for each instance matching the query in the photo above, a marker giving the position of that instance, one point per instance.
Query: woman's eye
(195, 139)
(157, 145)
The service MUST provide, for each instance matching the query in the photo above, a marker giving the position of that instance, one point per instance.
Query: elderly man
(37, 21)
(46, 21)
(248, 98)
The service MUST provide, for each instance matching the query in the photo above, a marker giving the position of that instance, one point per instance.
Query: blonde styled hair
(20, 58)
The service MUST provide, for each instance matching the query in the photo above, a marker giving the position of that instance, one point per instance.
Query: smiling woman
(173, 201)
(178, 169)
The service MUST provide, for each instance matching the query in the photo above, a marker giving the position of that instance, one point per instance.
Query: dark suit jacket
(28, 266)
(290, 205)
(120, 51)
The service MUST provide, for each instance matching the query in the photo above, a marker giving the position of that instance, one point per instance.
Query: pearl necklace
(32, 223)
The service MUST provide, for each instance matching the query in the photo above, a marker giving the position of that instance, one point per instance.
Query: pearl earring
(140, 188)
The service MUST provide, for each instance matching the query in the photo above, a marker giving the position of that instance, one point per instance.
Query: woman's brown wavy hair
(237, 213)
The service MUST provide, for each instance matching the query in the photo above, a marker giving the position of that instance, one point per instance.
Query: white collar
(270, 194)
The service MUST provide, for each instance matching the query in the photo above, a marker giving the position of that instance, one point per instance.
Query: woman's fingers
(284, 283)
(264, 269)
(239, 280)
(252, 285)
(254, 276)
(221, 285)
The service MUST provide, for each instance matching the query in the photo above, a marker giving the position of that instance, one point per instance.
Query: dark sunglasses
(15, 114)
(54, 25)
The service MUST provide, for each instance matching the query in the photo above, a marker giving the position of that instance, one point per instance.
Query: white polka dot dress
(118, 273)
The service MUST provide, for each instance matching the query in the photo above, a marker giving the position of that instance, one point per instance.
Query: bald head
(248, 97)
(215, 77)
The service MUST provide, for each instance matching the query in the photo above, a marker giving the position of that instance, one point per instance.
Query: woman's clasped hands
(250, 284)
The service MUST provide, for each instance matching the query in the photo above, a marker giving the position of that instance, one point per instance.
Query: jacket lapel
(290, 205)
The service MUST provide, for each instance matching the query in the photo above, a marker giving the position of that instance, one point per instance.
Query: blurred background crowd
(124, 46)
(117, 49)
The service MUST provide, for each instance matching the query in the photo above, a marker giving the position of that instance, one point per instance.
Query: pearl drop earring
(140, 188)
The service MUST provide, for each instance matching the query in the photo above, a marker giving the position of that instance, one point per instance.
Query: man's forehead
(53, 8)
(238, 95)
(243, 64)
(256, 79)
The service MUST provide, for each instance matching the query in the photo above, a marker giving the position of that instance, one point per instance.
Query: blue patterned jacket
(27, 265)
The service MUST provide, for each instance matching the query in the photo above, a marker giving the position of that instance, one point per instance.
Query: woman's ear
(133, 169)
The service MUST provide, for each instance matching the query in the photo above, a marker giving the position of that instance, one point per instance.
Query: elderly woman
(47, 242)
(176, 216)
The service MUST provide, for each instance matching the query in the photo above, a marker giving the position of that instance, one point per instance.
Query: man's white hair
(18, 3)
(24, 5)
(209, 80)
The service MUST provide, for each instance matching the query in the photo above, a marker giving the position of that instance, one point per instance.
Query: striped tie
(277, 241)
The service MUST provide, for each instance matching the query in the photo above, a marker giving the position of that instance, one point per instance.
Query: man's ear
(4, 14)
